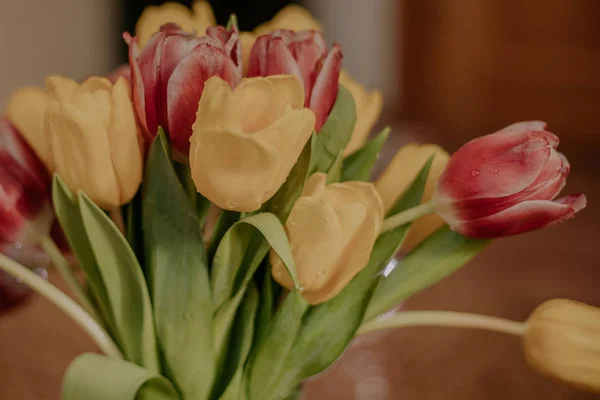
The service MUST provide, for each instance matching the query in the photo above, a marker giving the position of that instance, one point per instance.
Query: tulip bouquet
(215, 196)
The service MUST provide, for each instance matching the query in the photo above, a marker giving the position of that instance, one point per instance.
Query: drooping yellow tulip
(397, 177)
(292, 17)
(331, 230)
(368, 109)
(200, 17)
(86, 133)
(245, 141)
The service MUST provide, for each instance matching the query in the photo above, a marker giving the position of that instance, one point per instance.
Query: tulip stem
(117, 218)
(445, 319)
(407, 216)
(62, 301)
(63, 266)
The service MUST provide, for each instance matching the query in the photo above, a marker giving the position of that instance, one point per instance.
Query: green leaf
(438, 256)
(178, 278)
(67, 212)
(233, 22)
(334, 174)
(336, 132)
(245, 245)
(330, 326)
(266, 361)
(267, 301)
(225, 221)
(95, 377)
(125, 285)
(282, 202)
(133, 215)
(239, 345)
(358, 165)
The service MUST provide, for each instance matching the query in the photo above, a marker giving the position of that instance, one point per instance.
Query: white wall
(367, 31)
(69, 37)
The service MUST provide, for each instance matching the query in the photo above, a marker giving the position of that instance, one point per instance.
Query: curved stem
(404, 217)
(63, 266)
(64, 302)
(445, 319)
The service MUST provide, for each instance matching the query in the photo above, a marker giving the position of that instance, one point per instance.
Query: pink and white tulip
(25, 209)
(304, 55)
(505, 184)
(169, 72)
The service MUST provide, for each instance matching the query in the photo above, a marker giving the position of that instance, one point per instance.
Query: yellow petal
(123, 141)
(153, 17)
(247, 39)
(96, 83)
(398, 175)
(291, 88)
(61, 88)
(203, 16)
(293, 17)
(26, 108)
(80, 151)
(217, 108)
(259, 104)
(368, 111)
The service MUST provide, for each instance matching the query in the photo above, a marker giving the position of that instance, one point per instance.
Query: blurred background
(449, 71)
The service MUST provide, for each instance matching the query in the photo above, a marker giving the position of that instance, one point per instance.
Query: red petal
(280, 60)
(139, 97)
(185, 89)
(257, 65)
(523, 217)
(308, 49)
(493, 166)
(325, 90)
(230, 41)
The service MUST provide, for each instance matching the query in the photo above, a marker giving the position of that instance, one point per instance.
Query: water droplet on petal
(18, 245)
(322, 272)
(42, 273)
(475, 172)
(292, 223)
(19, 280)
(301, 289)
(230, 204)
(312, 205)
(493, 171)
(328, 219)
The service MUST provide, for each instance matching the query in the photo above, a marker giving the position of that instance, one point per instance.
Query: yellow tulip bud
(153, 17)
(89, 137)
(397, 177)
(246, 141)
(562, 341)
(292, 17)
(331, 230)
(368, 109)
(247, 39)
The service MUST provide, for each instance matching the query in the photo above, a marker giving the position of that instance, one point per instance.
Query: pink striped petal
(523, 217)
(309, 49)
(230, 40)
(324, 92)
(257, 64)
(280, 60)
(185, 89)
(139, 96)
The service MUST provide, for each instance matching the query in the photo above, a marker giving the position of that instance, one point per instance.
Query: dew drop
(328, 219)
(292, 223)
(19, 280)
(230, 204)
(18, 245)
(301, 289)
(493, 171)
(42, 273)
(475, 172)
(322, 272)
(312, 205)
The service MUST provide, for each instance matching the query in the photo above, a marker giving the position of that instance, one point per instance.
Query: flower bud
(196, 20)
(562, 341)
(292, 17)
(245, 141)
(398, 176)
(304, 55)
(368, 109)
(331, 230)
(504, 184)
(25, 210)
(169, 73)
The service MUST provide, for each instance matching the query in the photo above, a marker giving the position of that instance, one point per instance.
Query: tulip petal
(154, 17)
(324, 92)
(137, 83)
(292, 17)
(281, 61)
(308, 48)
(185, 89)
(247, 40)
(522, 217)
(61, 88)
(366, 118)
(257, 63)
(525, 126)
(125, 151)
(290, 87)
(26, 109)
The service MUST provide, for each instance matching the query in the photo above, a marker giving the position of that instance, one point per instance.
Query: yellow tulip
(368, 109)
(397, 177)
(197, 19)
(292, 17)
(331, 230)
(247, 39)
(562, 341)
(246, 141)
(86, 133)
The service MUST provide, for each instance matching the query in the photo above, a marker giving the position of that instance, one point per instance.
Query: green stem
(63, 266)
(64, 302)
(445, 319)
(404, 217)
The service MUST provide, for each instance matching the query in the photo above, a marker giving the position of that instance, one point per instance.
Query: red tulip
(169, 72)
(304, 55)
(25, 210)
(504, 184)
